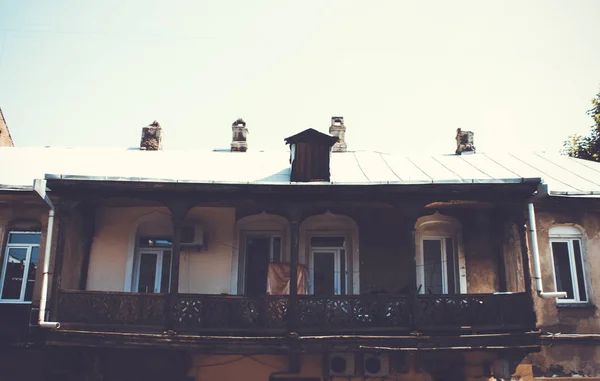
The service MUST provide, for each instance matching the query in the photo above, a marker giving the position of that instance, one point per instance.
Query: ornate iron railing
(111, 308)
(230, 313)
(222, 314)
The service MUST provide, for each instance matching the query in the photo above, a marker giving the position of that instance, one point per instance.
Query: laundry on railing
(278, 279)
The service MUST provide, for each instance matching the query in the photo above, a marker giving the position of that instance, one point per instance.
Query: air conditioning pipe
(39, 186)
(535, 253)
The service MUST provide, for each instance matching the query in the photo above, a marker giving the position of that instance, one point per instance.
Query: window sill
(583, 305)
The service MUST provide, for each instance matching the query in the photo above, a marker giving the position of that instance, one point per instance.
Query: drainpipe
(537, 271)
(39, 186)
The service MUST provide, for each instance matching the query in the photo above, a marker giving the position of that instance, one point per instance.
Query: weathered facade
(294, 266)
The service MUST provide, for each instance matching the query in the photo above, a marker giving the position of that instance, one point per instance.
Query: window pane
(324, 267)
(579, 268)
(276, 250)
(13, 277)
(451, 266)
(147, 272)
(327, 241)
(165, 278)
(26, 238)
(562, 268)
(432, 258)
(33, 262)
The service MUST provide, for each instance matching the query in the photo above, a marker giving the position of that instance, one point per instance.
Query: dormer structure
(310, 152)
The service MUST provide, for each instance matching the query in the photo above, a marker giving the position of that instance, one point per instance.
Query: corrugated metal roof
(563, 175)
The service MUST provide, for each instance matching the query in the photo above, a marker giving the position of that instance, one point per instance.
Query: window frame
(253, 234)
(25, 279)
(568, 237)
(444, 263)
(159, 251)
(338, 277)
(440, 225)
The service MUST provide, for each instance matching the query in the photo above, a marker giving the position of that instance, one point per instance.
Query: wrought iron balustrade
(352, 312)
(482, 311)
(230, 313)
(223, 314)
(111, 308)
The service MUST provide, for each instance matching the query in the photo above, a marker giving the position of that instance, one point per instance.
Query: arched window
(149, 266)
(329, 247)
(262, 239)
(566, 246)
(440, 255)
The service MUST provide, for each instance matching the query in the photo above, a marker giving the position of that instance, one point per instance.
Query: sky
(403, 74)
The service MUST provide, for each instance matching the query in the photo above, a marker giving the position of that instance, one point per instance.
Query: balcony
(217, 315)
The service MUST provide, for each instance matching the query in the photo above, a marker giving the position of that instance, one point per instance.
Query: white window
(568, 265)
(440, 266)
(19, 266)
(328, 266)
(153, 266)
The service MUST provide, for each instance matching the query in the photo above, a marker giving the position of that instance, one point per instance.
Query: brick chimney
(338, 130)
(464, 142)
(240, 133)
(5, 139)
(152, 137)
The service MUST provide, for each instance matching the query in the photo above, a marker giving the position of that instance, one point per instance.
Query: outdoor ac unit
(341, 364)
(376, 365)
(192, 236)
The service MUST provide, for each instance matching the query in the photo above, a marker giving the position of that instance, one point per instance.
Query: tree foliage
(586, 147)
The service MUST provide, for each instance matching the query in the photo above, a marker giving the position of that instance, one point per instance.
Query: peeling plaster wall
(569, 358)
(513, 259)
(73, 251)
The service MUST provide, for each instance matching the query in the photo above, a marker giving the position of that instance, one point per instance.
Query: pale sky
(404, 74)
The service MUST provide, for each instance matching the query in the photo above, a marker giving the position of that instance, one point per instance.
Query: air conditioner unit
(192, 236)
(376, 365)
(341, 364)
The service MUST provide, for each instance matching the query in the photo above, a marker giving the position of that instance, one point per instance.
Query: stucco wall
(206, 271)
(568, 358)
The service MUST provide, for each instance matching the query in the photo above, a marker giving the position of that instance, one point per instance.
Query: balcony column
(499, 219)
(178, 212)
(410, 213)
(520, 219)
(64, 212)
(294, 218)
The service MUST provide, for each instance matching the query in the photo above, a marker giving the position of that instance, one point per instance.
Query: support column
(174, 281)
(498, 222)
(179, 209)
(520, 221)
(294, 216)
(410, 213)
(89, 222)
(64, 212)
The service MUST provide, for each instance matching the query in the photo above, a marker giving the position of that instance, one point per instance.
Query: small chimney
(339, 130)
(5, 139)
(240, 133)
(464, 142)
(152, 137)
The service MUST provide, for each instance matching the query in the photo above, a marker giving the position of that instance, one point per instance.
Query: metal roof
(563, 175)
